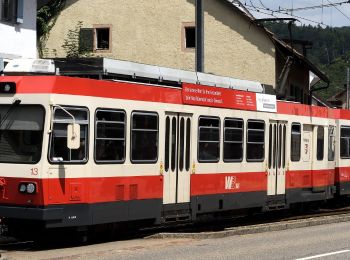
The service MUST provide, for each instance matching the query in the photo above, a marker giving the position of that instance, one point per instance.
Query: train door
(306, 154)
(177, 157)
(276, 181)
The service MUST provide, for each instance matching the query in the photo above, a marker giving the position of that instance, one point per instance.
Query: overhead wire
(316, 6)
(346, 16)
(265, 10)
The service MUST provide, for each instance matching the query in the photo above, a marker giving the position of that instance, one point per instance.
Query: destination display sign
(227, 98)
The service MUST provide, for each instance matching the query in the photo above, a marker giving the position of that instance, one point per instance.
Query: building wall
(146, 31)
(19, 40)
(236, 47)
(151, 32)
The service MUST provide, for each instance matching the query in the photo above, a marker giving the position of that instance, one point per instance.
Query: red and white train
(159, 152)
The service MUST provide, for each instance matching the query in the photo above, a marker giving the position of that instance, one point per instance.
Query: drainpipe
(199, 36)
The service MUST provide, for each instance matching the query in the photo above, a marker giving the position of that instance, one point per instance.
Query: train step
(277, 202)
(176, 213)
(273, 207)
(177, 218)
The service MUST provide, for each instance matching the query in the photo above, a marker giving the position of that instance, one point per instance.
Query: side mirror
(73, 136)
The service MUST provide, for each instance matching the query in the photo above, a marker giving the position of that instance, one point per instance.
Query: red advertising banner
(218, 97)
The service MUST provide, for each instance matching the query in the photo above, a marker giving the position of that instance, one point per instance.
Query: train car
(163, 146)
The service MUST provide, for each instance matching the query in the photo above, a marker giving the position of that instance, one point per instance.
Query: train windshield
(21, 133)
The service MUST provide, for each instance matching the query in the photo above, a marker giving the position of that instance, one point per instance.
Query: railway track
(11, 244)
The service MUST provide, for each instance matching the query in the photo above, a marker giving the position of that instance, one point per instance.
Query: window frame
(224, 138)
(247, 140)
(183, 36)
(199, 141)
(65, 121)
(112, 122)
(42, 140)
(138, 112)
(95, 40)
(317, 145)
(340, 142)
(331, 142)
(291, 146)
(12, 8)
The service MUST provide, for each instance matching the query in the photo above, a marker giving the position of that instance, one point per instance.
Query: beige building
(161, 32)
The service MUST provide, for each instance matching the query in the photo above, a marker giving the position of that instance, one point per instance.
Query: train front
(23, 114)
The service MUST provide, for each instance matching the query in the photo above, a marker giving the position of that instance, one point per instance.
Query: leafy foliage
(330, 51)
(46, 19)
(72, 43)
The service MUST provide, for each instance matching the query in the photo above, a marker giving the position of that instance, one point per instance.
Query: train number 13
(34, 171)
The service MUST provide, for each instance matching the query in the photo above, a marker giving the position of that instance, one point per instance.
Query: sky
(327, 16)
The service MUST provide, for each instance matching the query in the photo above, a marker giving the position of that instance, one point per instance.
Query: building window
(233, 140)
(188, 36)
(320, 143)
(102, 38)
(295, 143)
(110, 136)
(208, 139)
(345, 142)
(12, 11)
(144, 137)
(96, 39)
(59, 152)
(255, 141)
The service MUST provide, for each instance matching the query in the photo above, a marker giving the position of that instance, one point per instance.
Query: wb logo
(231, 183)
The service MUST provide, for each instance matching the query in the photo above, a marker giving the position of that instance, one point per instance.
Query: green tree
(46, 19)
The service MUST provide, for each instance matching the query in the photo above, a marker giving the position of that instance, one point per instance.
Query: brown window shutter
(86, 40)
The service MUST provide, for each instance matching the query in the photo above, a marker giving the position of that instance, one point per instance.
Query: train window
(173, 143)
(233, 140)
(182, 143)
(279, 159)
(295, 143)
(209, 139)
(331, 143)
(188, 144)
(21, 133)
(274, 152)
(255, 141)
(284, 146)
(167, 143)
(320, 143)
(110, 136)
(144, 137)
(345, 142)
(58, 151)
(270, 146)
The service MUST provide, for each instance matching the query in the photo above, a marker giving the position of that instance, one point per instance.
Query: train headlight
(22, 188)
(31, 188)
(27, 188)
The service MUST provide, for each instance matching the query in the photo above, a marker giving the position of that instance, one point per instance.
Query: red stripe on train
(95, 190)
(342, 174)
(83, 190)
(95, 88)
(121, 90)
(311, 178)
(205, 184)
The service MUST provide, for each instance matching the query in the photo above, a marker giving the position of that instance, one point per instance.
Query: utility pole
(199, 36)
(347, 87)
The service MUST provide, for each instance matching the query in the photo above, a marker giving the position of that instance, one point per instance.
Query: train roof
(104, 68)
